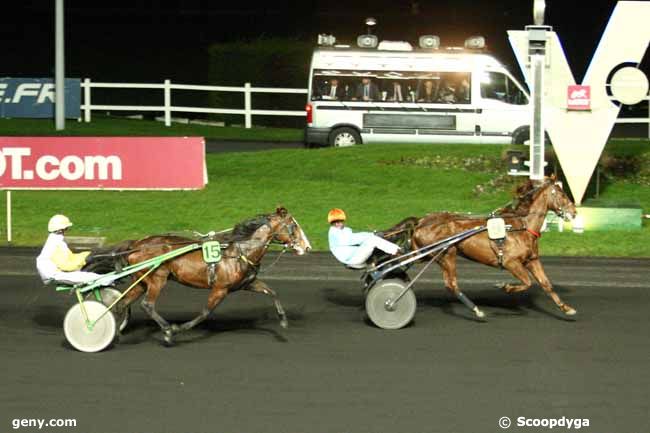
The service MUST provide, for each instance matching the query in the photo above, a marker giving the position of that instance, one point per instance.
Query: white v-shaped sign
(579, 137)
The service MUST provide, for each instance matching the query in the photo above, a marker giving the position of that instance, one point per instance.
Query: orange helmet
(335, 215)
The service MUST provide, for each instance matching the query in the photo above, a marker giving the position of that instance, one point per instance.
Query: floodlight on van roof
(475, 43)
(370, 23)
(430, 41)
(367, 41)
(326, 40)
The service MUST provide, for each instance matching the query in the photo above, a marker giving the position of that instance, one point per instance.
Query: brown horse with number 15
(519, 252)
(237, 270)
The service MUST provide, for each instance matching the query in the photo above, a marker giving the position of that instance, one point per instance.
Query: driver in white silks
(353, 249)
(56, 262)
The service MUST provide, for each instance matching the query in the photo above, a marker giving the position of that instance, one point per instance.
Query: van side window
(394, 86)
(395, 90)
(495, 85)
(331, 88)
(445, 88)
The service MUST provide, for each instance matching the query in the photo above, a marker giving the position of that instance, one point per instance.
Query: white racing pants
(367, 247)
(77, 277)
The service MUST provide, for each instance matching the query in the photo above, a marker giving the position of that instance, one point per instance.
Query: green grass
(103, 126)
(310, 182)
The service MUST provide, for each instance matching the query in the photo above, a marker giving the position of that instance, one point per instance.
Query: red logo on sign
(579, 97)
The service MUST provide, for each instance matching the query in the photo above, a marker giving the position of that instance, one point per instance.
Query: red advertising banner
(579, 97)
(102, 163)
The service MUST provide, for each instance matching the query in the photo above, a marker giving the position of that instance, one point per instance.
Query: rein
(266, 269)
(146, 247)
(394, 232)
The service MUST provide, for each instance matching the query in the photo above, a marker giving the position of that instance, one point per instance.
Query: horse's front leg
(535, 267)
(259, 286)
(448, 265)
(519, 271)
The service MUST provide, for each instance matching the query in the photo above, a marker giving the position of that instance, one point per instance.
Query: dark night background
(150, 40)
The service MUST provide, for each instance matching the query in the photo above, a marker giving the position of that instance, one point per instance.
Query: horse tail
(108, 259)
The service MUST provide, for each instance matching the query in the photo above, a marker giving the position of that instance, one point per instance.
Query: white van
(394, 93)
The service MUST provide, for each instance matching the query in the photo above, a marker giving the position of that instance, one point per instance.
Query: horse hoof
(570, 311)
(168, 337)
(480, 314)
(284, 323)
(174, 329)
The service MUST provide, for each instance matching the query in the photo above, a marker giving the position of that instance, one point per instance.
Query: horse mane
(244, 229)
(525, 194)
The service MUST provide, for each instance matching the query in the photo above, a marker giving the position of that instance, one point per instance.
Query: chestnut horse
(519, 253)
(237, 270)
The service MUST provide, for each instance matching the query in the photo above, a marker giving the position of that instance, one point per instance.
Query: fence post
(168, 103)
(87, 101)
(8, 216)
(247, 106)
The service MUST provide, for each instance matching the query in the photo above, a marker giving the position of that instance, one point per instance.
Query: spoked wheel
(86, 339)
(109, 295)
(382, 312)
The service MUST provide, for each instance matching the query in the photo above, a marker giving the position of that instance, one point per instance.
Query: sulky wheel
(109, 295)
(78, 333)
(382, 313)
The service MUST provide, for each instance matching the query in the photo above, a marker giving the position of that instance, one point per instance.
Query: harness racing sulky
(508, 239)
(219, 262)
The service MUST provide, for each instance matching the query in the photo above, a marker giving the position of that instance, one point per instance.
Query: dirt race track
(332, 372)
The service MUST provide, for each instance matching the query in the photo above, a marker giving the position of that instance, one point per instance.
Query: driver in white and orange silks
(56, 261)
(350, 248)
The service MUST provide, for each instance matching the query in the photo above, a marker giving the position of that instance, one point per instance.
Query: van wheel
(344, 137)
(521, 135)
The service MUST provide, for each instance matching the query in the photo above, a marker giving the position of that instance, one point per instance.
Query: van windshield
(392, 86)
(496, 85)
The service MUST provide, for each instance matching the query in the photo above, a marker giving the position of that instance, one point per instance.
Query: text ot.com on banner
(120, 163)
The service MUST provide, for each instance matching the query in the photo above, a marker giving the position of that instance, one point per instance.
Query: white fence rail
(248, 112)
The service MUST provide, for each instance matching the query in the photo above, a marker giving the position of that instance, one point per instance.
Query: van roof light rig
(326, 40)
(370, 23)
(394, 46)
(367, 41)
(475, 43)
(429, 42)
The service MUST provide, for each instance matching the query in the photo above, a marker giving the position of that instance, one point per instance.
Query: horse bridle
(291, 228)
(562, 213)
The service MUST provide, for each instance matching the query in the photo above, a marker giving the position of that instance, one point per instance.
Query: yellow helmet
(335, 215)
(58, 222)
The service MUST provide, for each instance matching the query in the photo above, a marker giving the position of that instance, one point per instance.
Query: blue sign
(34, 97)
